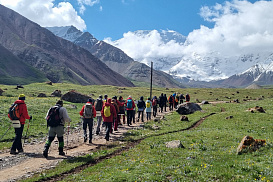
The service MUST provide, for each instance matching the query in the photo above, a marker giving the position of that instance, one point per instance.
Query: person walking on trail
(141, 107)
(108, 113)
(148, 109)
(130, 105)
(161, 102)
(165, 102)
(98, 107)
(171, 101)
(115, 119)
(88, 112)
(121, 113)
(176, 101)
(105, 98)
(181, 98)
(56, 118)
(188, 98)
(23, 115)
(155, 103)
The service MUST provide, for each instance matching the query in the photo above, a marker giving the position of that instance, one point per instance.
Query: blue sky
(214, 28)
(113, 18)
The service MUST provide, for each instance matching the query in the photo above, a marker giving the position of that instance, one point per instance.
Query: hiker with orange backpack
(171, 101)
(130, 105)
(22, 115)
(108, 113)
(88, 112)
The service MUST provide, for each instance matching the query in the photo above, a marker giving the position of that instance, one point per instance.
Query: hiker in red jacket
(88, 112)
(130, 105)
(108, 113)
(17, 143)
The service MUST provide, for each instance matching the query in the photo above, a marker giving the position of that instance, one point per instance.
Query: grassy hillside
(210, 149)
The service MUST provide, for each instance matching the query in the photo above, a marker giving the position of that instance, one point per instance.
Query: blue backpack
(129, 104)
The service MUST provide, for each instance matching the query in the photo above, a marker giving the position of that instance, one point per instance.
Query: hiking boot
(61, 151)
(90, 141)
(13, 152)
(20, 151)
(45, 153)
(85, 139)
(107, 139)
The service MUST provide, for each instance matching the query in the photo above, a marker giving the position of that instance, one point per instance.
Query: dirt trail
(14, 167)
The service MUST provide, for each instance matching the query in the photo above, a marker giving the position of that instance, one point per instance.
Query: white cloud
(139, 45)
(45, 13)
(240, 27)
(84, 3)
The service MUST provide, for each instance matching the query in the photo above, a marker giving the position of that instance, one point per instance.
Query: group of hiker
(111, 111)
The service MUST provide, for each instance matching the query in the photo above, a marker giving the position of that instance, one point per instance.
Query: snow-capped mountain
(173, 53)
(115, 58)
(74, 35)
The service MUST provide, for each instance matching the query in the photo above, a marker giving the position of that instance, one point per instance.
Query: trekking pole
(5, 132)
(26, 132)
(67, 137)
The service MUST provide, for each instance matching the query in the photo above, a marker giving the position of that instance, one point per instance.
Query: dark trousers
(165, 106)
(87, 122)
(140, 113)
(115, 124)
(129, 116)
(17, 143)
(154, 111)
(161, 107)
(108, 126)
(171, 106)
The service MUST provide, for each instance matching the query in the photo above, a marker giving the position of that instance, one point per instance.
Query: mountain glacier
(169, 52)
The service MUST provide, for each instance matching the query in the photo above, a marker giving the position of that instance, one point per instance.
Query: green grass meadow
(209, 152)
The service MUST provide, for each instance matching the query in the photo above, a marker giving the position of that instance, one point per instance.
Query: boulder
(256, 109)
(184, 118)
(75, 97)
(56, 93)
(1, 91)
(249, 144)
(41, 95)
(174, 144)
(205, 102)
(49, 82)
(188, 108)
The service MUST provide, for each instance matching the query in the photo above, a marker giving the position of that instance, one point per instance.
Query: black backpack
(141, 104)
(53, 118)
(98, 105)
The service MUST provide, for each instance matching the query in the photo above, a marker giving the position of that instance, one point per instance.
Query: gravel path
(15, 167)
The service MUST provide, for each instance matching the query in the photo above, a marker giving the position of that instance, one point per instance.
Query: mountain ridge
(115, 58)
(59, 59)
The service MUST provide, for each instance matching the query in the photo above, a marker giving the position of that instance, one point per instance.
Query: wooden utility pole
(151, 86)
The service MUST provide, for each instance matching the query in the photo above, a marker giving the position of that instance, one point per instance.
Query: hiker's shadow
(40, 155)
